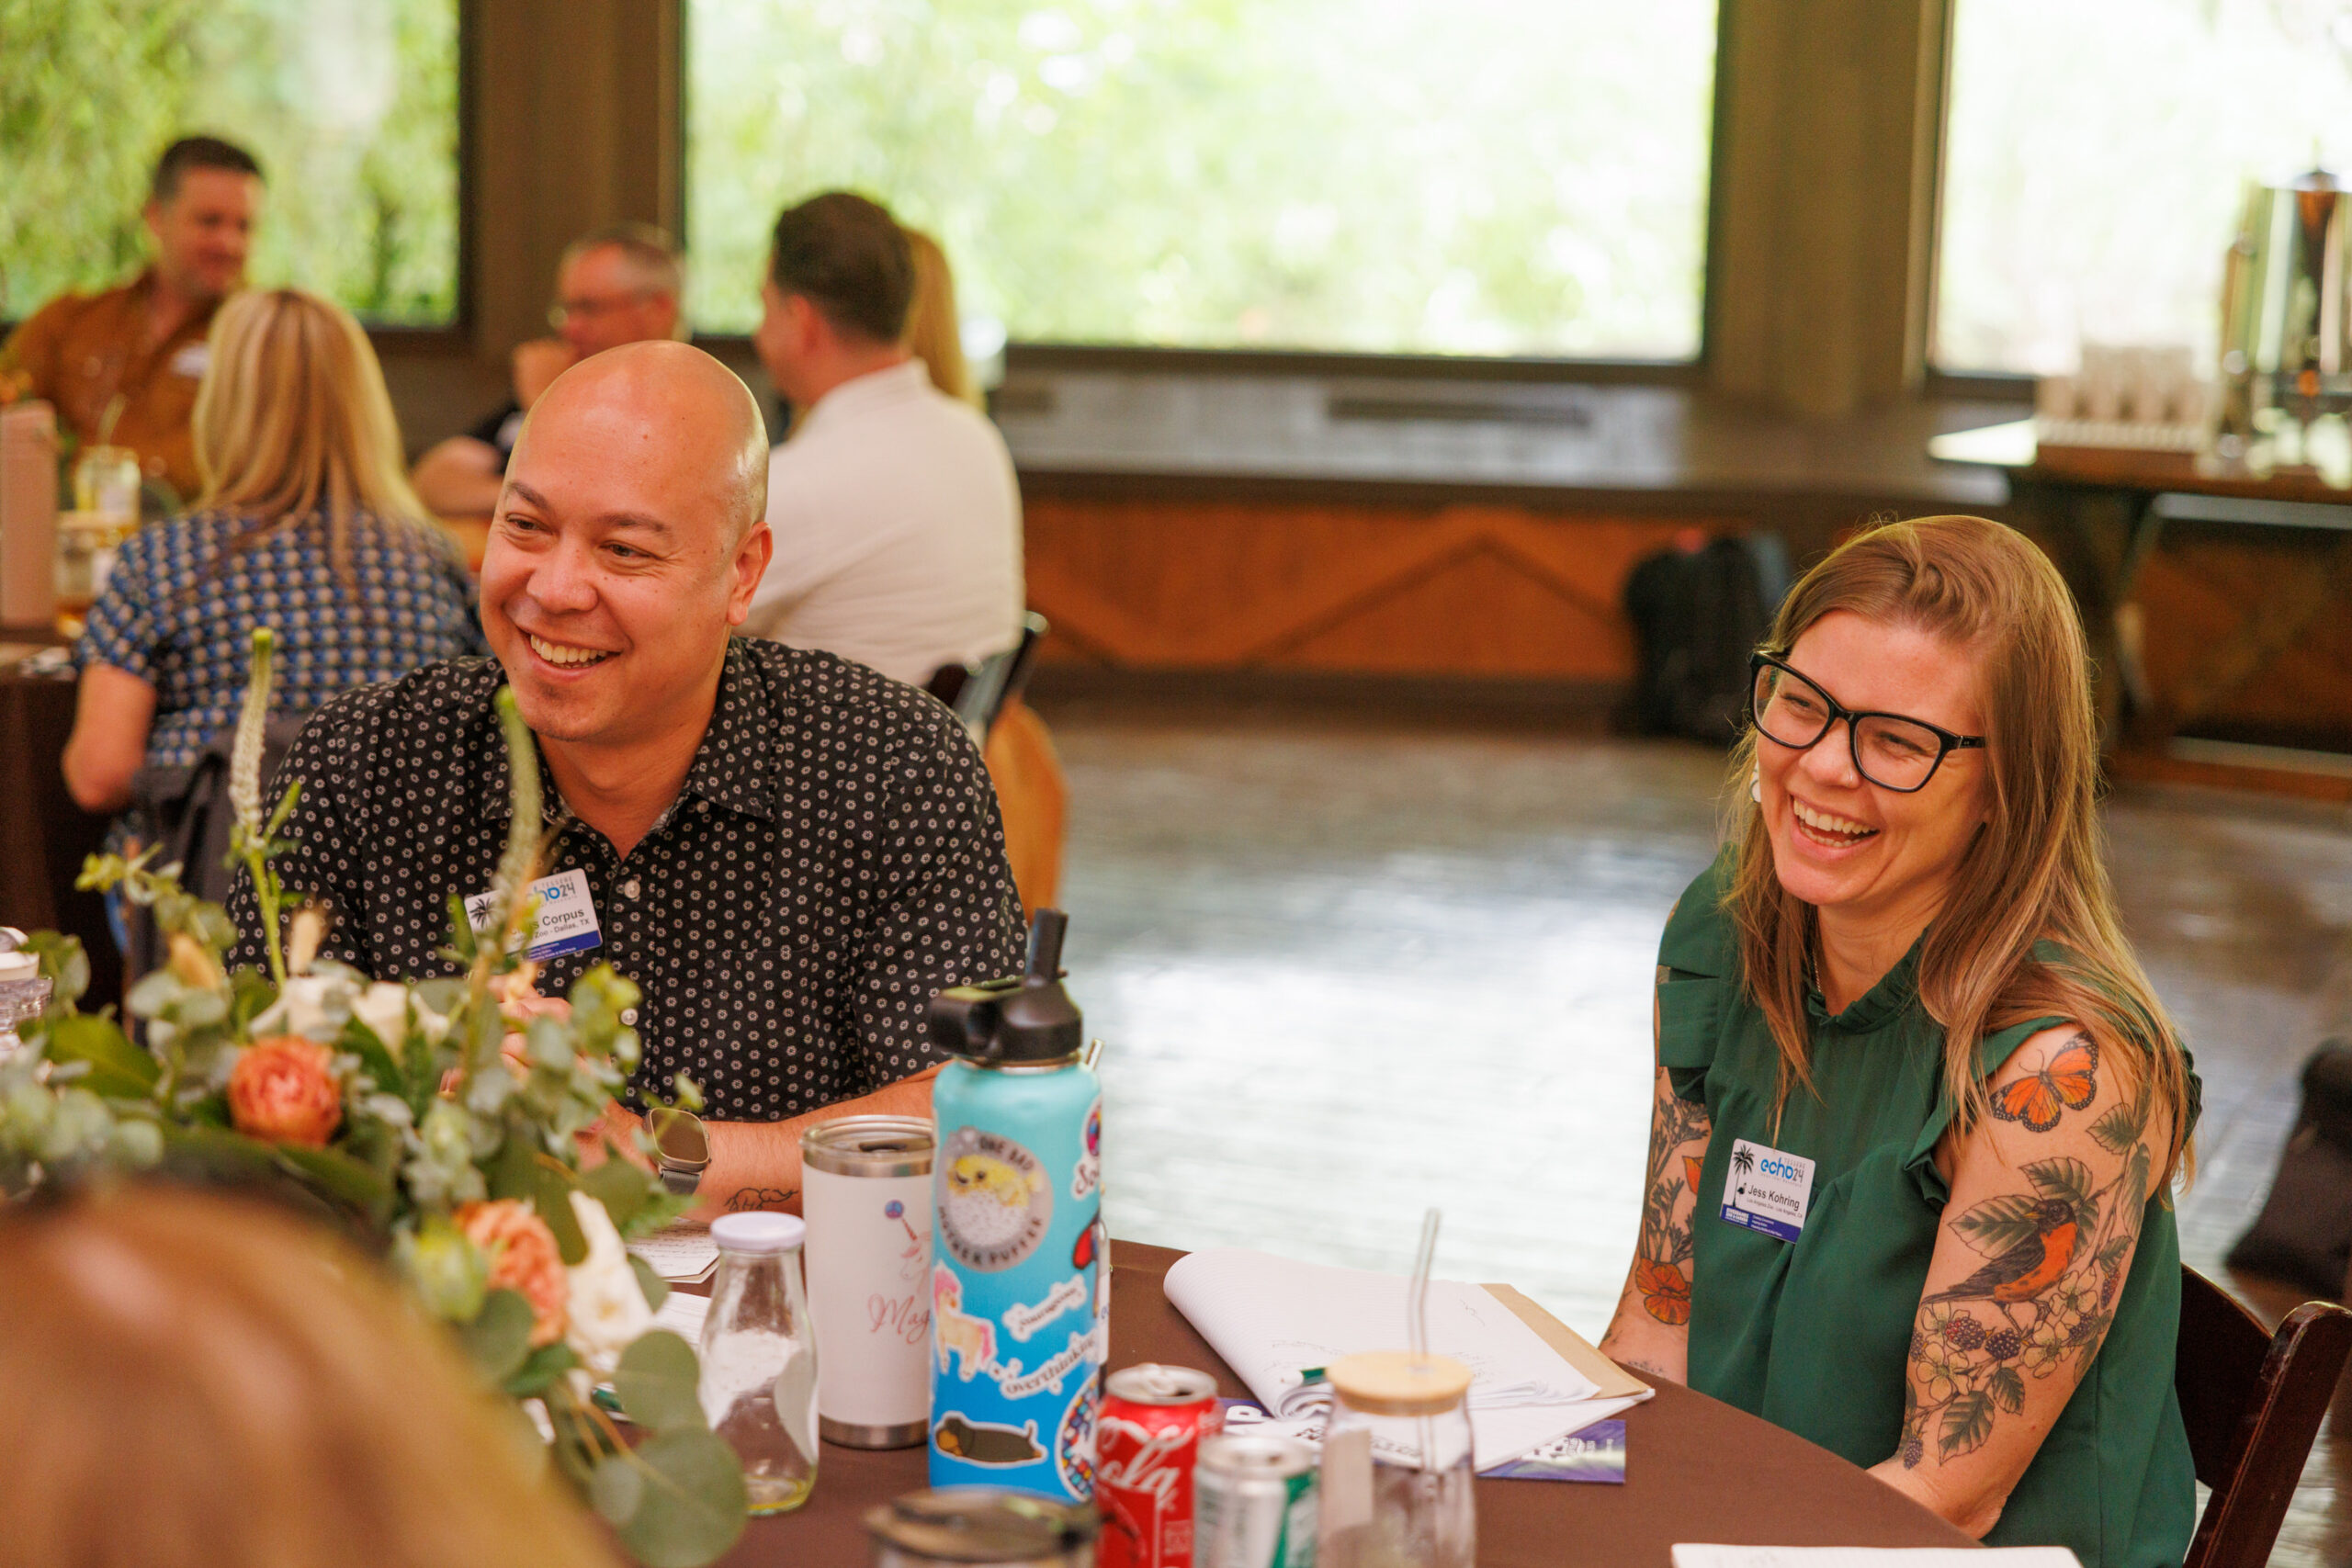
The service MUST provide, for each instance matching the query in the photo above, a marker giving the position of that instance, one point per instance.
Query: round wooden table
(43, 835)
(1696, 1469)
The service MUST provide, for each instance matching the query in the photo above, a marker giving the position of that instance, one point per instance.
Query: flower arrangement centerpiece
(437, 1121)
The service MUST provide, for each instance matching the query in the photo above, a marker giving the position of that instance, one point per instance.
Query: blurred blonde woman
(934, 331)
(188, 1380)
(306, 525)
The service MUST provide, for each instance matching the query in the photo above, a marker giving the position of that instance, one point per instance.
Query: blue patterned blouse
(171, 617)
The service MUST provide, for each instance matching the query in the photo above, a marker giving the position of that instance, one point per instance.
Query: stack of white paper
(1275, 1320)
(683, 1315)
(679, 1252)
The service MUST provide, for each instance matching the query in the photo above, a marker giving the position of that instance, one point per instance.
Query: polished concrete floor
(1348, 969)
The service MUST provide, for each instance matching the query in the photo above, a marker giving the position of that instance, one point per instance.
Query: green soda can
(1253, 1503)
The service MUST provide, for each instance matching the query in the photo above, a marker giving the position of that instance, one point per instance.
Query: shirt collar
(874, 389)
(732, 766)
(1893, 994)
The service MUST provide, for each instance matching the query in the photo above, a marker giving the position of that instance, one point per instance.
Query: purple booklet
(1596, 1454)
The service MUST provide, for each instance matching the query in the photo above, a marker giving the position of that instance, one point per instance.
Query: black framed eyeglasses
(1893, 750)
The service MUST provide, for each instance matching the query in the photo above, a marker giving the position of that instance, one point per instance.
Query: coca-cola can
(1146, 1440)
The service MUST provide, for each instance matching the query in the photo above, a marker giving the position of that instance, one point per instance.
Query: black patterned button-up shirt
(833, 861)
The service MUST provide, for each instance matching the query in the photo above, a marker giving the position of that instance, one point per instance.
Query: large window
(351, 106)
(2095, 158)
(1446, 177)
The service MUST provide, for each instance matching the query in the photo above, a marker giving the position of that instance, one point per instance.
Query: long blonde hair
(934, 332)
(292, 419)
(189, 1381)
(2034, 871)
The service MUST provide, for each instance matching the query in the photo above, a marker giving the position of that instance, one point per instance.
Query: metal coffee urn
(2287, 330)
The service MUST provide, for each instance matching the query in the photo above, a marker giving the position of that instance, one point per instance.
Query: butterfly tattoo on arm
(2068, 1081)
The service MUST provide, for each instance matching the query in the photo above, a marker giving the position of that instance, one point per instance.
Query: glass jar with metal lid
(965, 1527)
(1398, 1478)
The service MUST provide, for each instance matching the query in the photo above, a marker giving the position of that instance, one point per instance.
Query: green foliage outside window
(1470, 176)
(2096, 159)
(350, 105)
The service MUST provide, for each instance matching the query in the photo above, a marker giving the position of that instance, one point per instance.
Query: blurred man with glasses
(619, 284)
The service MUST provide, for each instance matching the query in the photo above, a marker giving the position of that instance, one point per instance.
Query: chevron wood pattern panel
(1485, 591)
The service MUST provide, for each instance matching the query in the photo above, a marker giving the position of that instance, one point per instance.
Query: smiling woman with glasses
(1917, 1106)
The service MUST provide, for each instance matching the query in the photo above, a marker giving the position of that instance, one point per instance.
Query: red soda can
(1145, 1441)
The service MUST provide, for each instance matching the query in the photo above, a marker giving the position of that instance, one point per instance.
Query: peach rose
(283, 1089)
(523, 1257)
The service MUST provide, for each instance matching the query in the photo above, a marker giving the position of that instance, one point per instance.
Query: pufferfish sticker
(994, 1201)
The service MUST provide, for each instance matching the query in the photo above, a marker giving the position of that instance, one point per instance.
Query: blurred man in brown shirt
(144, 341)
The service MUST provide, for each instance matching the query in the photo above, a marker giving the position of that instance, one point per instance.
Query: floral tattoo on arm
(1662, 1253)
(2054, 1257)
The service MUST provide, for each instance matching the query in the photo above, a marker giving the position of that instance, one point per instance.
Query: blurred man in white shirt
(896, 514)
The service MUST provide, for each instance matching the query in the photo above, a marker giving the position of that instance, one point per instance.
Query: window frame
(1047, 357)
(454, 336)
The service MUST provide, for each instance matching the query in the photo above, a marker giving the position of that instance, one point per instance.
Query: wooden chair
(2253, 1403)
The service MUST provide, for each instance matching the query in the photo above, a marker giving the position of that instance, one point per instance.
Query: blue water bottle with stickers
(1020, 1281)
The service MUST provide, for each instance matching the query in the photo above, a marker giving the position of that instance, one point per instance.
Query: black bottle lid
(1024, 1017)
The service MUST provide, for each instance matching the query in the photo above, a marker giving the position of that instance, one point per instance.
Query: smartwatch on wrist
(682, 1148)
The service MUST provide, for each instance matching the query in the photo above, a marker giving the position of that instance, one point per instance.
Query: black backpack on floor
(1697, 614)
(2304, 1232)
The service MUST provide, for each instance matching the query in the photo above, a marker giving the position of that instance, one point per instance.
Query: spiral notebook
(1278, 1322)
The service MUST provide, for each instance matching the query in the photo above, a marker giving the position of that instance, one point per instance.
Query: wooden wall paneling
(2200, 590)
(1463, 590)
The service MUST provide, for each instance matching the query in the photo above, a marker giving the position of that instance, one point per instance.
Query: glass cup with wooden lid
(1398, 1479)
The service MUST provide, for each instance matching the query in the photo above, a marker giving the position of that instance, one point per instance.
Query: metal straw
(1417, 1295)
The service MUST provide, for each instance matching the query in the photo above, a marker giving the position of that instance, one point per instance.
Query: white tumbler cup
(865, 1192)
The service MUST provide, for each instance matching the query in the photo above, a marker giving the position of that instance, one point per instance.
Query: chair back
(188, 811)
(2252, 1402)
(980, 692)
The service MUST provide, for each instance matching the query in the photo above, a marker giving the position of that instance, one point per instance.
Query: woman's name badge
(567, 916)
(1767, 1190)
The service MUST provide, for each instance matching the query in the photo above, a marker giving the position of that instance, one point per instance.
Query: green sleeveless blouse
(1815, 1335)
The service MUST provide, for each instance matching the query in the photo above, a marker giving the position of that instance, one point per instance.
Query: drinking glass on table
(1397, 1480)
(759, 1359)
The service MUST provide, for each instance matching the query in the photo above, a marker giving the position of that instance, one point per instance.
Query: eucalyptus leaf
(500, 1338)
(513, 1171)
(658, 1384)
(621, 1186)
(656, 1289)
(116, 1066)
(342, 1177)
(62, 960)
(540, 1368)
(154, 993)
(694, 1501)
(374, 1059)
(554, 1201)
(617, 1486)
(197, 1008)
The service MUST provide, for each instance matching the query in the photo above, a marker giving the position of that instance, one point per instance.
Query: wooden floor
(1348, 969)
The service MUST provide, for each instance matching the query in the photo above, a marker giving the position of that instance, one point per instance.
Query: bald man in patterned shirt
(789, 852)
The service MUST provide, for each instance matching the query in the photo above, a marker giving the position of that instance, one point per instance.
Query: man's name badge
(567, 916)
(1767, 1190)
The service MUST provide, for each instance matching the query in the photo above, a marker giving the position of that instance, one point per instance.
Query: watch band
(682, 1181)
